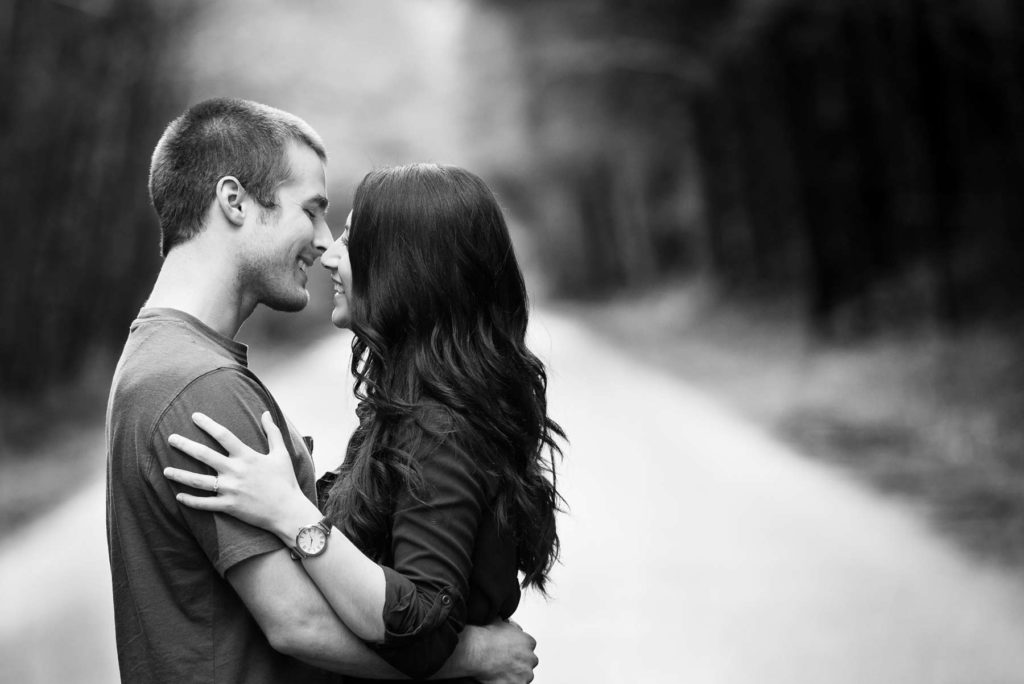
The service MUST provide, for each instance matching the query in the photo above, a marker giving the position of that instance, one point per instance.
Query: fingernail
(198, 416)
(179, 497)
(172, 440)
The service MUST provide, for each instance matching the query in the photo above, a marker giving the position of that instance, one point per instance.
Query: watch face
(311, 540)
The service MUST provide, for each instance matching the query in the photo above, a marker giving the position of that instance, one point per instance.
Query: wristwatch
(311, 540)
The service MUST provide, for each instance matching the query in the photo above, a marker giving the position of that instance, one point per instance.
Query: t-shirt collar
(238, 351)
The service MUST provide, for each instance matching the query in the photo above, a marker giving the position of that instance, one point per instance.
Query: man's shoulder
(165, 362)
(171, 347)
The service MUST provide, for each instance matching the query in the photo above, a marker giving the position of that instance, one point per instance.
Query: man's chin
(288, 304)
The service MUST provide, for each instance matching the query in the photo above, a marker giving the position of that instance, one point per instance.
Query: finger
(226, 438)
(274, 437)
(200, 452)
(202, 503)
(195, 480)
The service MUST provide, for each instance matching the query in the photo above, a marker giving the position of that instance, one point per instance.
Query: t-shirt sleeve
(236, 402)
(433, 538)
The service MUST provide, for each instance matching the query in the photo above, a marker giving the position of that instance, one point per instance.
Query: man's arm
(298, 622)
(501, 653)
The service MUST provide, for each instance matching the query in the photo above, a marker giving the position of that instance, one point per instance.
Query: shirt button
(445, 599)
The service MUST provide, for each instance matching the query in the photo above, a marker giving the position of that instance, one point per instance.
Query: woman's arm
(352, 583)
(413, 611)
(261, 490)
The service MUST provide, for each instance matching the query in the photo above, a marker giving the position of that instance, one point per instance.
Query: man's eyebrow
(320, 201)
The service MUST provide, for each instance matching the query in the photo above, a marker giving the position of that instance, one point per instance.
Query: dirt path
(700, 550)
(697, 550)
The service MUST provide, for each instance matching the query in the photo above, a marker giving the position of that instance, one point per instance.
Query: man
(240, 193)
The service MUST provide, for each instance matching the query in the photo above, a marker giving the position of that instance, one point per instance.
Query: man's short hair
(217, 138)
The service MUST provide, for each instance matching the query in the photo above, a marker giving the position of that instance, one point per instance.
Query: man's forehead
(304, 167)
(306, 187)
(304, 193)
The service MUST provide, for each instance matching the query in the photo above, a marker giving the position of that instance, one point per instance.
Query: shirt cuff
(419, 634)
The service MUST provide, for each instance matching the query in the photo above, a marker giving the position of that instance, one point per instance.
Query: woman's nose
(329, 259)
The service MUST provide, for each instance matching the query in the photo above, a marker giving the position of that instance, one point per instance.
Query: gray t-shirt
(177, 618)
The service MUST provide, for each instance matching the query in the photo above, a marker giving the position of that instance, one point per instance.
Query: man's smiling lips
(304, 264)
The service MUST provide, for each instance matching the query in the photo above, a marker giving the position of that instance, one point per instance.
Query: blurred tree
(607, 85)
(865, 154)
(84, 91)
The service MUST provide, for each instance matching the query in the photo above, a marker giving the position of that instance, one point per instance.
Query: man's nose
(329, 258)
(322, 237)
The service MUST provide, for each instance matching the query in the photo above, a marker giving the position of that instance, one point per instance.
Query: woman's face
(335, 260)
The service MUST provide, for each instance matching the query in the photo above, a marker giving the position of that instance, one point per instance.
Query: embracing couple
(230, 563)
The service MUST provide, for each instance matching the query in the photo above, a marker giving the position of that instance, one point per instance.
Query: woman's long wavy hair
(439, 312)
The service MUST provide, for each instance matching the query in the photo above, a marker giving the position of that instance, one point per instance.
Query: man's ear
(231, 200)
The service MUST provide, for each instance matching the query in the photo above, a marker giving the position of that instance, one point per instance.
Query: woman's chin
(341, 319)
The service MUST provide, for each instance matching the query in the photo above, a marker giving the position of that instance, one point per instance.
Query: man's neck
(193, 281)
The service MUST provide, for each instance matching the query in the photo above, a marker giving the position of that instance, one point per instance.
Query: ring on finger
(216, 485)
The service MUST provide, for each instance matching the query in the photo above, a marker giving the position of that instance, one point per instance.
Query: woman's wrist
(296, 517)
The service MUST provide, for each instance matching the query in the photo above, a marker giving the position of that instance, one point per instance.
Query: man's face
(288, 239)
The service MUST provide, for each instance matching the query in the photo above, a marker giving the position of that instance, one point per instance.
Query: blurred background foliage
(828, 175)
(83, 97)
(864, 154)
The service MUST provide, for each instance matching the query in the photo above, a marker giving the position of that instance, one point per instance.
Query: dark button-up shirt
(448, 565)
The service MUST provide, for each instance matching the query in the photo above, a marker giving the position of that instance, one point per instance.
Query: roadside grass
(930, 417)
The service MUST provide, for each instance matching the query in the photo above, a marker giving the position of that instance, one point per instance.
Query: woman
(445, 494)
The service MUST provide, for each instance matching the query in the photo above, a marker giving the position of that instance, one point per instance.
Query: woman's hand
(259, 489)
